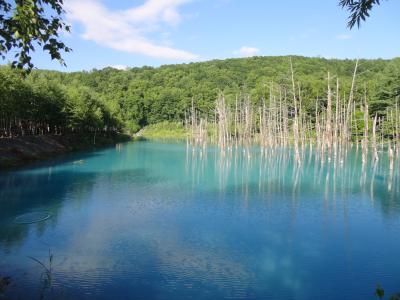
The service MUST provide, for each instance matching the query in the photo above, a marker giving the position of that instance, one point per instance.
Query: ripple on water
(32, 217)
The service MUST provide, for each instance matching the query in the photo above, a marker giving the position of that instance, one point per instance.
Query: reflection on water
(275, 171)
(165, 221)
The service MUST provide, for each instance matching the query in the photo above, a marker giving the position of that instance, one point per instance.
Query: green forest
(51, 102)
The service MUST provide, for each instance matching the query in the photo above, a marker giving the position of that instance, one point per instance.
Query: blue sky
(155, 32)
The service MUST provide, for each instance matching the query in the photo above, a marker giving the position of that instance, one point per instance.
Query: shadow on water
(46, 186)
(24, 193)
(58, 159)
(21, 194)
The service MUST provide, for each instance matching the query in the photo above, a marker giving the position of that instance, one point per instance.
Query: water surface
(149, 220)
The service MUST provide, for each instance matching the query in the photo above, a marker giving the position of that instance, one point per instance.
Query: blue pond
(149, 220)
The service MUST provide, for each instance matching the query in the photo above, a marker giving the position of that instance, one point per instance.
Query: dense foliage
(49, 101)
(25, 25)
(37, 105)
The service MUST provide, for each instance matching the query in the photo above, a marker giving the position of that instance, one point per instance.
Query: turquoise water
(159, 221)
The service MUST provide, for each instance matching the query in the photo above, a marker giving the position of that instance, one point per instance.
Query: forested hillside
(110, 99)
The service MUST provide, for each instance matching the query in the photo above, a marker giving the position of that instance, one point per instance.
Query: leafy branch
(359, 10)
(26, 24)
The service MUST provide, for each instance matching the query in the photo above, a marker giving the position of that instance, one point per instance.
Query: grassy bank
(22, 150)
(164, 131)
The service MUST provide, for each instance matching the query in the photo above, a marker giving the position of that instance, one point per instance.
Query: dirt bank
(23, 150)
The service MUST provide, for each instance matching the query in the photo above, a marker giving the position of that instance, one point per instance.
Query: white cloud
(126, 30)
(247, 51)
(120, 67)
(343, 37)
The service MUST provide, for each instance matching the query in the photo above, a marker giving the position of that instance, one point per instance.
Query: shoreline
(24, 150)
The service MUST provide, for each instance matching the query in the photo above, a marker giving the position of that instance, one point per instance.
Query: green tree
(26, 24)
